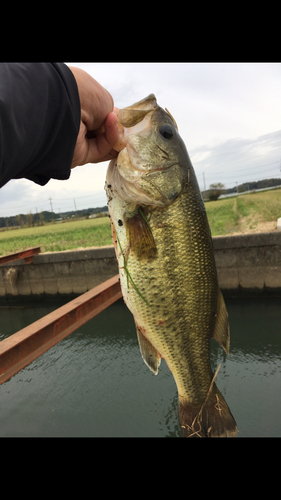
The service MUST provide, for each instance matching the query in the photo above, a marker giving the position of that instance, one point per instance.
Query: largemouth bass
(166, 263)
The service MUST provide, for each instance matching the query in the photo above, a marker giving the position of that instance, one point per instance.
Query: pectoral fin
(149, 354)
(140, 237)
(221, 331)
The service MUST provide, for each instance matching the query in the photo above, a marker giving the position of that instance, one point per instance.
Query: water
(95, 383)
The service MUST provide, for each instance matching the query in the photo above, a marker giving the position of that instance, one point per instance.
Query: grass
(58, 237)
(243, 213)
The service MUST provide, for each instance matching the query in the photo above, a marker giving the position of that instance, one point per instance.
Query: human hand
(98, 128)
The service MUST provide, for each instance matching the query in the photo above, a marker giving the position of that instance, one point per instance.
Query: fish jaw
(127, 189)
(144, 152)
(125, 172)
(132, 120)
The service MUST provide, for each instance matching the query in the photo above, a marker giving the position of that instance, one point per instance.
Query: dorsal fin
(172, 118)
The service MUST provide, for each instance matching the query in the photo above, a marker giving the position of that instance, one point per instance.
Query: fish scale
(166, 263)
(181, 276)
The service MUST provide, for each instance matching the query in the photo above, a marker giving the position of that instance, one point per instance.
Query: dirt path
(260, 227)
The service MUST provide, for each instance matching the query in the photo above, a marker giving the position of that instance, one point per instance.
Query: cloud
(234, 160)
(228, 116)
(23, 196)
(238, 160)
(209, 101)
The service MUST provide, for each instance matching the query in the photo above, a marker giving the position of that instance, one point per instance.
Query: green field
(244, 213)
(58, 237)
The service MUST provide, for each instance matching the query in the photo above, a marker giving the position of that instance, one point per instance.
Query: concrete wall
(57, 274)
(249, 263)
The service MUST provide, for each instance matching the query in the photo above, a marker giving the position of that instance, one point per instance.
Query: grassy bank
(244, 213)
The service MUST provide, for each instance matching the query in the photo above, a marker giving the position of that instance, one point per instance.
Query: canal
(94, 382)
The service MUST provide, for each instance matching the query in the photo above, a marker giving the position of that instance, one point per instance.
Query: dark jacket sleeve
(39, 121)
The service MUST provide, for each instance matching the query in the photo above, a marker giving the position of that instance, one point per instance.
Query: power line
(96, 198)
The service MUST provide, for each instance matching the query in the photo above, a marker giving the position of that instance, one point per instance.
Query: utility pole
(75, 208)
(51, 208)
(204, 181)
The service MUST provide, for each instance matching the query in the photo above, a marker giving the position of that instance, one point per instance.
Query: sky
(228, 114)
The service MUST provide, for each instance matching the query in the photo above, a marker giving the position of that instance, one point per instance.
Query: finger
(100, 130)
(101, 148)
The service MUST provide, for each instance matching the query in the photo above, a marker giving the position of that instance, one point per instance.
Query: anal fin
(149, 354)
(221, 331)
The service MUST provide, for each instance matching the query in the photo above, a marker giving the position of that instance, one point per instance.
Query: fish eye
(166, 131)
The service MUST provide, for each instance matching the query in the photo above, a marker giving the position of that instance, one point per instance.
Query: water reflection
(250, 377)
(94, 382)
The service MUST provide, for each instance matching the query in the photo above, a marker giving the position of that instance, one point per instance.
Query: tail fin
(212, 419)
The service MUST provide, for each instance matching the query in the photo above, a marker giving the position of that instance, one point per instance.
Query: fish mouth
(134, 120)
(133, 174)
(125, 171)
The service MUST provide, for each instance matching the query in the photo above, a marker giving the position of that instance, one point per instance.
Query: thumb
(100, 147)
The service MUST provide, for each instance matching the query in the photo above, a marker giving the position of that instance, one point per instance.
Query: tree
(215, 190)
(20, 221)
(41, 216)
(30, 219)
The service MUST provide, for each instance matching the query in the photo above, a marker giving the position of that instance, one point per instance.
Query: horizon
(100, 207)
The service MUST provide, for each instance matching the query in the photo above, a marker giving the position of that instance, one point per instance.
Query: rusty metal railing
(23, 347)
(24, 254)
